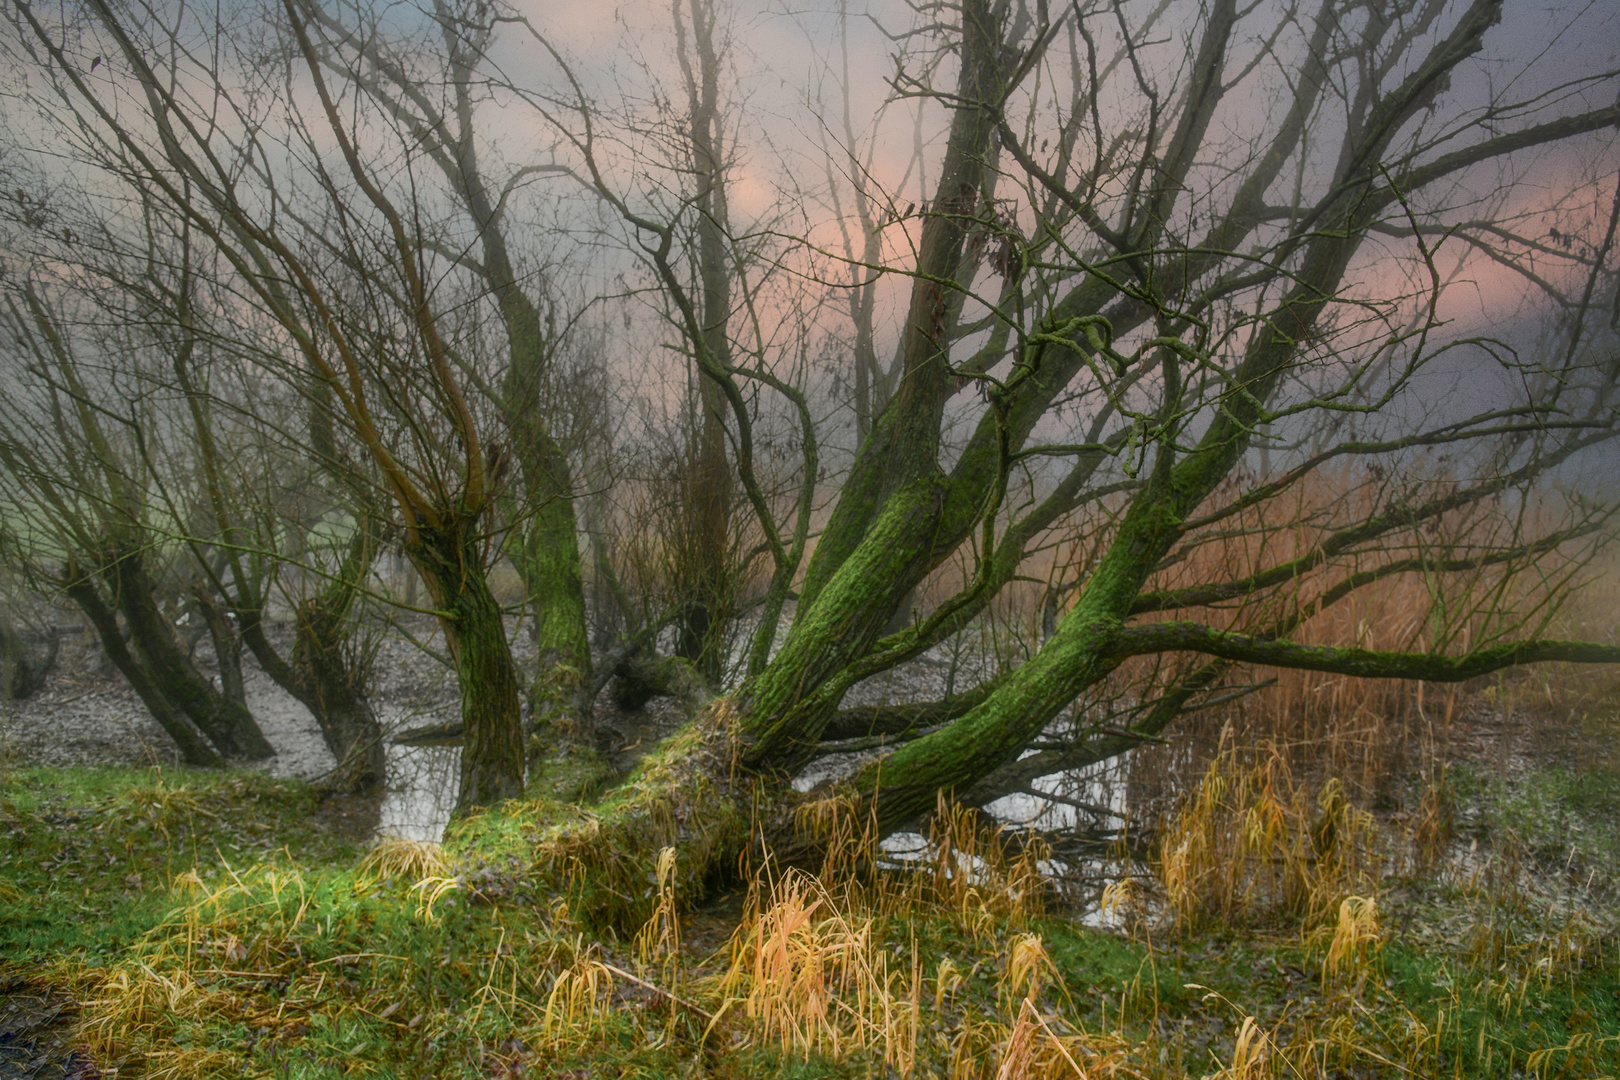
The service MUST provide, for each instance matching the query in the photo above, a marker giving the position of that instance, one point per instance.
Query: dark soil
(37, 1034)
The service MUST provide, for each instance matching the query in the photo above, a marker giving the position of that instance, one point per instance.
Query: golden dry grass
(838, 963)
(1250, 843)
(813, 976)
(848, 973)
(394, 858)
(1357, 937)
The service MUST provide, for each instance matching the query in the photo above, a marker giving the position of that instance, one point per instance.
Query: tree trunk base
(22, 672)
(688, 794)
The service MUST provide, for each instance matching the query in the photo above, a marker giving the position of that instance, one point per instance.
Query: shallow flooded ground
(1100, 821)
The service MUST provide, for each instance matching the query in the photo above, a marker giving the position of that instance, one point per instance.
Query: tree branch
(1362, 663)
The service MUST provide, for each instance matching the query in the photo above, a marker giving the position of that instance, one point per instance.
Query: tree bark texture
(21, 672)
(225, 721)
(449, 557)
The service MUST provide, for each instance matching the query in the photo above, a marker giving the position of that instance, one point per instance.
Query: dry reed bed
(1367, 733)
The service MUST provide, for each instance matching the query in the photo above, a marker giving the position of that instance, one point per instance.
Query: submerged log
(444, 733)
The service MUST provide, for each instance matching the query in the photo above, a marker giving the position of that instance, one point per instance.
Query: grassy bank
(211, 925)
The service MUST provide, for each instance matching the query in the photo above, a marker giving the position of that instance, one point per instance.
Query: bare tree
(204, 463)
(1229, 339)
(1129, 281)
(392, 72)
(1136, 307)
(335, 259)
(79, 450)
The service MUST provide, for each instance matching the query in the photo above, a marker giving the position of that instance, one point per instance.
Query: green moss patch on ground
(87, 856)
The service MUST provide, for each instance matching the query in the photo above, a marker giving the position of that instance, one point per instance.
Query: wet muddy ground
(37, 1035)
(86, 714)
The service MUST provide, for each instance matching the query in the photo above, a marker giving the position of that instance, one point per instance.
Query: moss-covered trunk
(906, 783)
(786, 707)
(547, 560)
(885, 534)
(704, 576)
(883, 539)
(899, 511)
(449, 557)
(546, 553)
(327, 673)
(902, 514)
(349, 726)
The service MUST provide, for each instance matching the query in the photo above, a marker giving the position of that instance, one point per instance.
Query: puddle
(1085, 814)
(93, 719)
(420, 791)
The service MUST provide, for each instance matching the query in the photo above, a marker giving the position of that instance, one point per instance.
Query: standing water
(419, 790)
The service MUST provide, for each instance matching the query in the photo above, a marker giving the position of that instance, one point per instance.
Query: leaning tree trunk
(323, 674)
(227, 641)
(882, 541)
(321, 664)
(324, 679)
(194, 749)
(1083, 650)
(899, 516)
(118, 560)
(449, 557)
(224, 720)
(886, 533)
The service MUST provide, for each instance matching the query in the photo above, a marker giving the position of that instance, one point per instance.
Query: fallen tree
(1195, 313)
(1142, 319)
